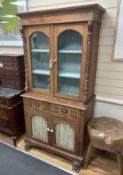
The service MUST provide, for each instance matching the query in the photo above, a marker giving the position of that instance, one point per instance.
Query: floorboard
(100, 165)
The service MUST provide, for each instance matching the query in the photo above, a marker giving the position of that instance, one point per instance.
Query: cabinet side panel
(93, 59)
(25, 104)
(21, 71)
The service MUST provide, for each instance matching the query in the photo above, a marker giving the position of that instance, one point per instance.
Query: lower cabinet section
(12, 119)
(56, 128)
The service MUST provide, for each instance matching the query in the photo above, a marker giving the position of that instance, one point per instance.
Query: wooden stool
(106, 134)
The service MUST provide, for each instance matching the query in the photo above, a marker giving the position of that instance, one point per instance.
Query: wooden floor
(100, 165)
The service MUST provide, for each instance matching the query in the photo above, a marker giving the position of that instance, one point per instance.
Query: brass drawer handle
(37, 104)
(64, 110)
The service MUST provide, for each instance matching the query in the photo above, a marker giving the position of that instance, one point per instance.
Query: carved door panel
(39, 124)
(65, 134)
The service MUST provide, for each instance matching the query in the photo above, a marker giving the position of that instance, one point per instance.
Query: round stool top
(106, 128)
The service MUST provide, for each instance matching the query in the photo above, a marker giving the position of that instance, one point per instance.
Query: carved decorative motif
(26, 68)
(87, 65)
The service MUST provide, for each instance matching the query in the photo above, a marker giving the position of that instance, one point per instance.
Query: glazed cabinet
(61, 48)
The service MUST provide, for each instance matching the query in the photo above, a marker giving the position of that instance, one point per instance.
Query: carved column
(88, 59)
(26, 67)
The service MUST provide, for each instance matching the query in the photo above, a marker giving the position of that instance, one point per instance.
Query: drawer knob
(64, 110)
(37, 104)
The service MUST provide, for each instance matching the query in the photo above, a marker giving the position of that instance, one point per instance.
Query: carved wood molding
(26, 67)
(87, 65)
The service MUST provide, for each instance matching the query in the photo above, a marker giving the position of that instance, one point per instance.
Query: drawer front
(11, 78)
(9, 63)
(9, 59)
(65, 111)
(62, 111)
(42, 106)
(4, 123)
(2, 101)
(11, 84)
(10, 68)
(4, 113)
(7, 73)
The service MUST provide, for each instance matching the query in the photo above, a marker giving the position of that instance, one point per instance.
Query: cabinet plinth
(61, 56)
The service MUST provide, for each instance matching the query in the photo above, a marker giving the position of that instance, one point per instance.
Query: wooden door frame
(29, 31)
(82, 29)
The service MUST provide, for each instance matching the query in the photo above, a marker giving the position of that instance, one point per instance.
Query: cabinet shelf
(41, 72)
(70, 51)
(69, 90)
(40, 50)
(69, 75)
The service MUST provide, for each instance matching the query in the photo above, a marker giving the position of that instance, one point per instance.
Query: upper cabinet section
(61, 48)
(64, 15)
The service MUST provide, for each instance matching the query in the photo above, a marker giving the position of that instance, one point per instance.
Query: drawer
(10, 68)
(11, 73)
(11, 78)
(4, 113)
(2, 101)
(65, 111)
(13, 84)
(42, 106)
(4, 123)
(9, 59)
(9, 63)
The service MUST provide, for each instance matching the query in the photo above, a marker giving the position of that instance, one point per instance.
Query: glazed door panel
(69, 55)
(40, 59)
(65, 133)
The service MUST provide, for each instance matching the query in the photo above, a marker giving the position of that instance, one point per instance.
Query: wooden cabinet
(12, 85)
(61, 49)
(12, 71)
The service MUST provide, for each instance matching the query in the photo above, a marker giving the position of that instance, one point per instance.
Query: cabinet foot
(76, 166)
(27, 146)
(14, 138)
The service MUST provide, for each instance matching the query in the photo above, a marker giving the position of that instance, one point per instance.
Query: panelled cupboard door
(38, 126)
(70, 42)
(65, 134)
(39, 62)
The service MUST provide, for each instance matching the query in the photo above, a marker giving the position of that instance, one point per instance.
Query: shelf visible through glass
(41, 72)
(70, 51)
(40, 50)
(69, 75)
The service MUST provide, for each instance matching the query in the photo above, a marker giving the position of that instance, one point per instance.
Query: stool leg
(120, 162)
(88, 155)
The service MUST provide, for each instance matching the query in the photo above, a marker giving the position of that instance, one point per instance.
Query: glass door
(69, 57)
(40, 62)
(69, 61)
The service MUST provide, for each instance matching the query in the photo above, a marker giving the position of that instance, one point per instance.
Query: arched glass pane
(39, 44)
(69, 62)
